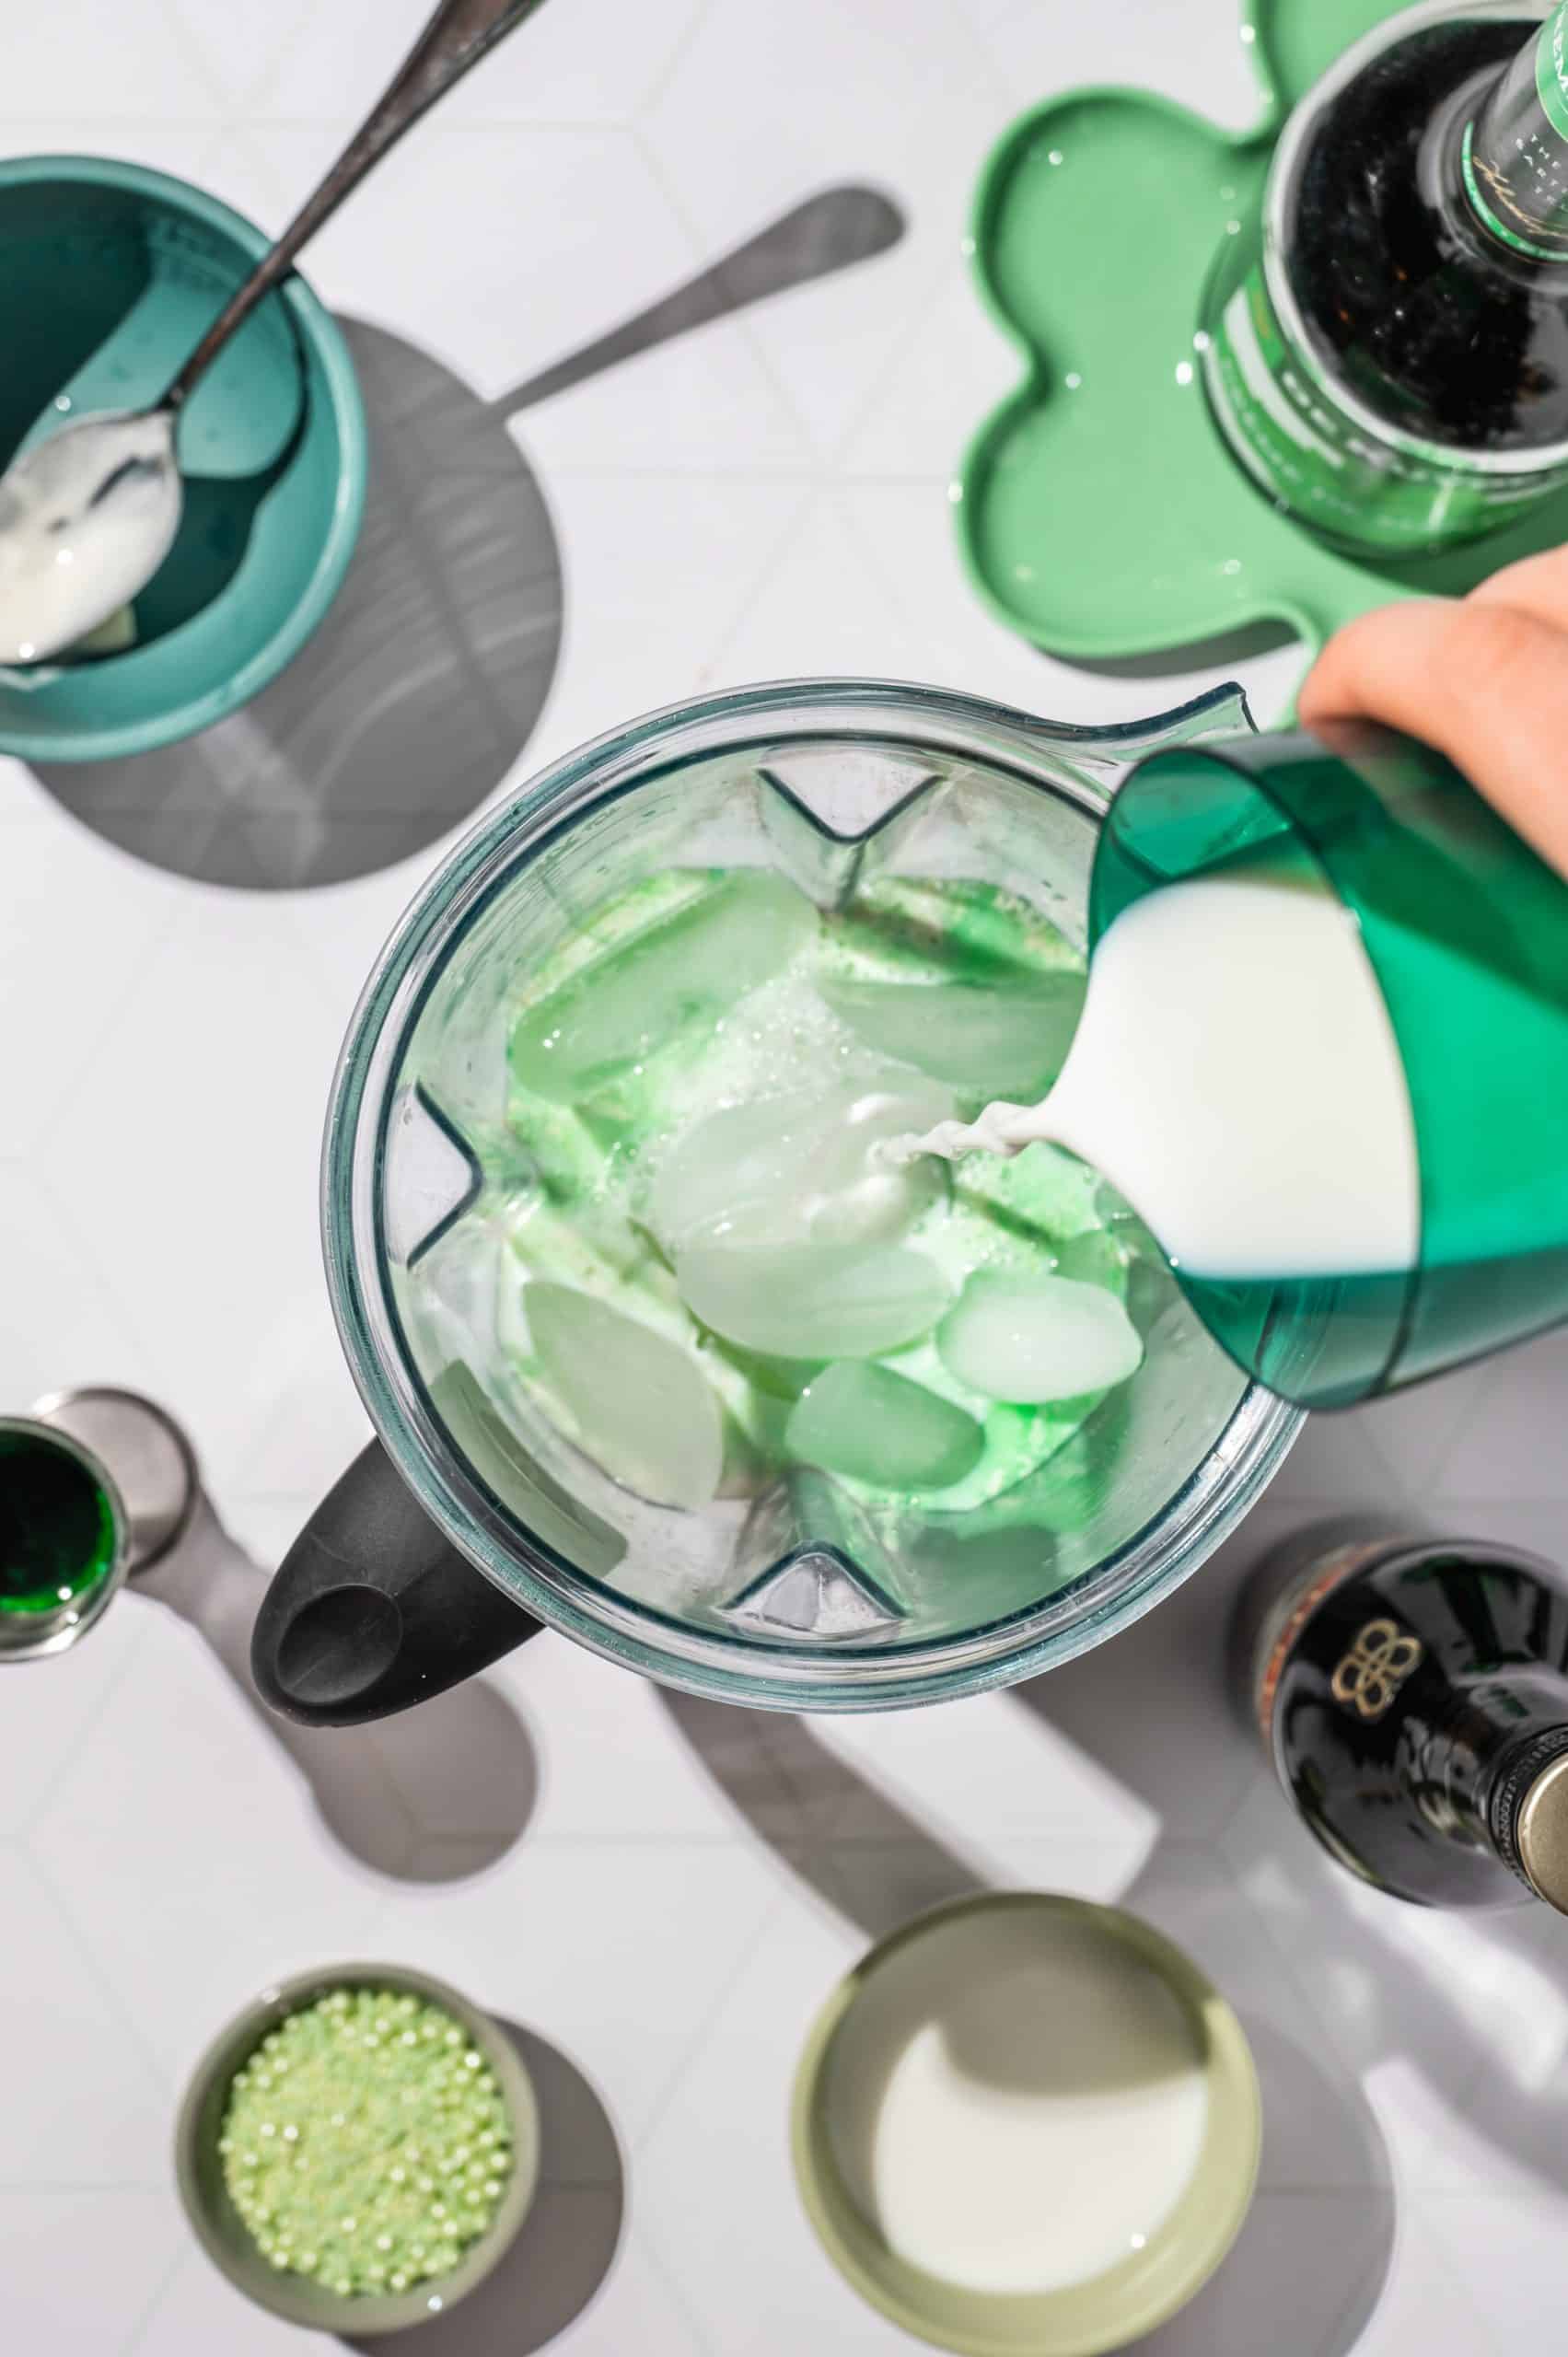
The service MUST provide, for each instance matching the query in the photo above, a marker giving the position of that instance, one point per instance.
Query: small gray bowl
(223, 2235)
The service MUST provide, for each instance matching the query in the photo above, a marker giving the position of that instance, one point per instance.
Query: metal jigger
(147, 1468)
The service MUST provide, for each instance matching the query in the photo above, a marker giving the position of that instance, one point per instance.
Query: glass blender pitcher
(471, 1520)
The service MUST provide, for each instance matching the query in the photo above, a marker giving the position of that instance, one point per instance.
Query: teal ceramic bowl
(109, 275)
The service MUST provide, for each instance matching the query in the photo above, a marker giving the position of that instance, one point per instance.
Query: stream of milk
(1236, 1075)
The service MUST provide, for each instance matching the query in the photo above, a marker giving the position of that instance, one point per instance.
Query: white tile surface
(240, 48)
(84, 2106)
(871, 104)
(118, 919)
(662, 1890)
(1495, 2246)
(524, 284)
(215, 1057)
(819, 609)
(616, 1950)
(751, 2268)
(45, 1723)
(61, 1303)
(1423, 2303)
(82, 2269)
(78, 60)
(1145, 45)
(184, 1842)
(657, 569)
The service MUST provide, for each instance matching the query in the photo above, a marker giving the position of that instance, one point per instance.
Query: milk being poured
(1236, 1075)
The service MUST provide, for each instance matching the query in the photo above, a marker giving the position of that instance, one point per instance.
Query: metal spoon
(88, 516)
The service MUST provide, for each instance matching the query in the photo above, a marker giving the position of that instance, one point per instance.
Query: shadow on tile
(430, 1796)
(568, 2240)
(1478, 2000)
(1476, 2004)
(1318, 2253)
(414, 698)
(411, 701)
(793, 1792)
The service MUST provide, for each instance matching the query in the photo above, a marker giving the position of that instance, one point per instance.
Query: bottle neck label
(1513, 155)
(1308, 454)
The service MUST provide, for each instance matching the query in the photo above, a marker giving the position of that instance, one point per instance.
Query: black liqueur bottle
(1414, 1698)
(1387, 348)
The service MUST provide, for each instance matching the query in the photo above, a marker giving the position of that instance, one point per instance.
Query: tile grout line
(195, 56)
(794, 532)
(654, 95)
(903, 345)
(739, 321)
(637, 2145)
(101, 1979)
(814, 477)
(18, 2191)
(256, 94)
(866, 544)
(656, 2258)
(137, 1645)
(165, 2284)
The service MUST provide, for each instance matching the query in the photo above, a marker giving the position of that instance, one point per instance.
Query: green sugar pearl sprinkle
(365, 2142)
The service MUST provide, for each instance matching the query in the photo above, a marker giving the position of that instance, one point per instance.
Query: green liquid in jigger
(57, 1526)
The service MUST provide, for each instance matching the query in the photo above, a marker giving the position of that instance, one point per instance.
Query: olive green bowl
(223, 2235)
(1102, 2312)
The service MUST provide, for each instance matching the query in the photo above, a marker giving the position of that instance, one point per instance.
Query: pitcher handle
(372, 1609)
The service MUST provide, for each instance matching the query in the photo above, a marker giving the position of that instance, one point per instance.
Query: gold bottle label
(1367, 1681)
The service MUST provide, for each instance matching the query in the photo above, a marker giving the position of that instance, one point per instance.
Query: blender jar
(474, 1519)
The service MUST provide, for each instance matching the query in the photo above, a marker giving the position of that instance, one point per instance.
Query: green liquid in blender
(58, 1535)
(716, 1275)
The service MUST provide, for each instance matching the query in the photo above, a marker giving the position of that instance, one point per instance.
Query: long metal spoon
(87, 516)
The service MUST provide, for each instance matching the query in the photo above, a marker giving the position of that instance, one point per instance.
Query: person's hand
(1484, 679)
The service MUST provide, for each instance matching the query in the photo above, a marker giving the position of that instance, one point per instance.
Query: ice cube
(1093, 1259)
(635, 999)
(812, 1301)
(1027, 1339)
(785, 1168)
(989, 1040)
(643, 1407)
(867, 1421)
(861, 1196)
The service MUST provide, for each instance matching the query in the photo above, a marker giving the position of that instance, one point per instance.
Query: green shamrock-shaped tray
(1098, 512)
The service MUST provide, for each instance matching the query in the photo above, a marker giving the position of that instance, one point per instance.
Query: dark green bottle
(1386, 349)
(1413, 1695)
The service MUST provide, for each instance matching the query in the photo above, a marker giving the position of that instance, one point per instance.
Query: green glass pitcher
(1465, 930)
